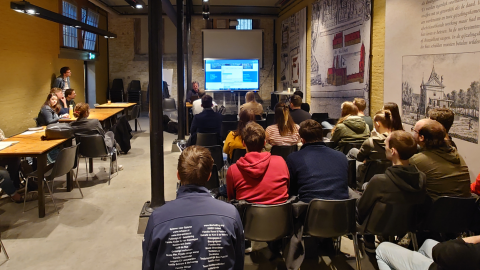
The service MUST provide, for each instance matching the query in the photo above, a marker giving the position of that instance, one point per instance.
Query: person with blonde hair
(351, 128)
(234, 139)
(252, 104)
(284, 131)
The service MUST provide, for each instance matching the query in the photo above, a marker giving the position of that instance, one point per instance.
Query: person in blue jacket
(194, 231)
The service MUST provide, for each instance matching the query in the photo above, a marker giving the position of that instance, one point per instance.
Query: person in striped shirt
(284, 131)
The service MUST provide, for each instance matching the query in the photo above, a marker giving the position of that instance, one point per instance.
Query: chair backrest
(258, 117)
(476, 218)
(65, 161)
(134, 86)
(262, 123)
(283, 151)
(213, 182)
(332, 121)
(270, 119)
(376, 166)
(135, 112)
(169, 104)
(450, 215)
(228, 126)
(352, 173)
(217, 154)
(320, 117)
(349, 146)
(328, 219)
(207, 139)
(117, 85)
(267, 222)
(330, 144)
(390, 219)
(326, 131)
(237, 154)
(229, 117)
(92, 146)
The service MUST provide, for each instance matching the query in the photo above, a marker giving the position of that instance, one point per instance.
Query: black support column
(188, 28)
(180, 72)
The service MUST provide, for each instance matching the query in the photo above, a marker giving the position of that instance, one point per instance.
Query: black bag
(58, 131)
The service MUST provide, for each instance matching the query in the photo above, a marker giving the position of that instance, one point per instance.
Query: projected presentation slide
(224, 74)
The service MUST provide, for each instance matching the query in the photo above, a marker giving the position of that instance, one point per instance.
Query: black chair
(237, 154)
(229, 117)
(93, 146)
(329, 219)
(320, 117)
(352, 173)
(217, 154)
(332, 121)
(228, 126)
(326, 131)
(258, 117)
(4, 251)
(391, 220)
(207, 139)
(373, 167)
(450, 215)
(349, 146)
(213, 182)
(262, 123)
(64, 164)
(116, 92)
(169, 105)
(134, 115)
(330, 144)
(265, 223)
(270, 119)
(283, 151)
(475, 228)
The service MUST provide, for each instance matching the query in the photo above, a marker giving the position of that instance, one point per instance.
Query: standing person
(447, 173)
(190, 228)
(63, 81)
(234, 139)
(284, 131)
(305, 106)
(317, 171)
(351, 128)
(362, 105)
(49, 112)
(252, 104)
(298, 115)
(69, 97)
(397, 120)
(193, 92)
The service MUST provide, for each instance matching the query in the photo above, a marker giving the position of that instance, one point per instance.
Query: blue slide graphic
(213, 76)
(250, 76)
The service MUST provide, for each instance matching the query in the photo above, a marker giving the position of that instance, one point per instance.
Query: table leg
(135, 124)
(41, 166)
(68, 143)
(90, 165)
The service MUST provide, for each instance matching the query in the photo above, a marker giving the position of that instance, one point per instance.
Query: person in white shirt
(197, 104)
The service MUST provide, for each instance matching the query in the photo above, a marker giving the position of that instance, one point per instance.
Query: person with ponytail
(351, 128)
(84, 126)
(284, 131)
(396, 119)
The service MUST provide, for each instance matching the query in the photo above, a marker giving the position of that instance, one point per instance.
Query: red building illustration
(337, 74)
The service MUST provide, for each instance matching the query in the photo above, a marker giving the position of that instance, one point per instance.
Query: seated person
(446, 171)
(361, 106)
(193, 92)
(396, 119)
(62, 102)
(9, 188)
(284, 131)
(234, 138)
(445, 117)
(454, 254)
(197, 104)
(298, 115)
(252, 104)
(350, 128)
(207, 121)
(84, 126)
(317, 171)
(191, 220)
(69, 97)
(475, 186)
(374, 147)
(401, 184)
(258, 177)
(305, 106)
(49, 112)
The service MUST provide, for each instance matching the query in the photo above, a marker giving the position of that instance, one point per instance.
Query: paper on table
(4, 145)
(28, 132)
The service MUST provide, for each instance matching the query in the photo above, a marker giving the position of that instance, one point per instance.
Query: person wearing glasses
(63, 81)
(446, 171)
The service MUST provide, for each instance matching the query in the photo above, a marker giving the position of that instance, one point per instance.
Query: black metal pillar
(188, 26)
(180, 72)
(155, 65)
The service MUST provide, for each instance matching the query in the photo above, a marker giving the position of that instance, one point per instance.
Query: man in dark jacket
(317, 171)
(401, 184)
(454, 254)
(194, 231)
(63, 81)
(207, 121)
(298, 115)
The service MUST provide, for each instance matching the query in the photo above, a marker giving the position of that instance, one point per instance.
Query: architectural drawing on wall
(339, 60)
(293, 51)
(443, 81)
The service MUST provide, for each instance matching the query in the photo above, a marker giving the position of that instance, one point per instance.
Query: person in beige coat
(252, 104)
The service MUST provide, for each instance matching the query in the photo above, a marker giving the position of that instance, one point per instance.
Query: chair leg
(357, 251)
(51, 195)
(86, 167)
(25, 196)
(139, 125)
(110, 172)
(413, 236)
(76, 181)
(4, 250)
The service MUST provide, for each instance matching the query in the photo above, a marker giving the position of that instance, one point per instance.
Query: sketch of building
(432, 94)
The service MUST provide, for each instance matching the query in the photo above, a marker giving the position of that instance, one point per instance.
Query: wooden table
(101, 114)
(123, 105)
(188, 105)
(32, 146)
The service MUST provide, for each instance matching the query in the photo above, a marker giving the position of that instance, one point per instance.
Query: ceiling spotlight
(138, 6)
(30, 11)
(77, 26)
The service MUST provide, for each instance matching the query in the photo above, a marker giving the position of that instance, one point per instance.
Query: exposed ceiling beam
(170, 11)
(105, 7)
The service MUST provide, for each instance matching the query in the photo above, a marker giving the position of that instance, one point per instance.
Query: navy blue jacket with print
(195, 231)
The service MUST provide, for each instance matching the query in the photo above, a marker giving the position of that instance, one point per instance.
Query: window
(89, 39)
(244, 24)
(70, 33)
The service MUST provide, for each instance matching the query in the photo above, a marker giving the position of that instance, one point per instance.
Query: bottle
(70, 111)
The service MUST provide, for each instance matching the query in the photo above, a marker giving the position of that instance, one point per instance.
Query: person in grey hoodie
(401, 184)
(446, 171)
